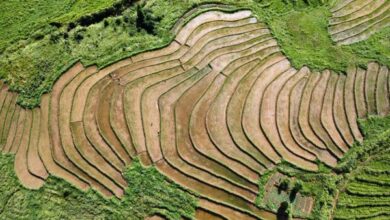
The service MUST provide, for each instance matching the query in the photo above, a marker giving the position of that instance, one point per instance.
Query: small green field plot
(281, 189)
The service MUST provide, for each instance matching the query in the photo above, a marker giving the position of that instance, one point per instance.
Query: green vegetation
(302, 32)
(149, 193)
(20, 20)
(262, 181)
(321, 186)
(366, 187)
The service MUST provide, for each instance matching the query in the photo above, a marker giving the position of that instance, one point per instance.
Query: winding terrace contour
(212, 111)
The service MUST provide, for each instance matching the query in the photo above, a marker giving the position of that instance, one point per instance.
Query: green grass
(20, 19)
(366, 185)
(261, 183)
(301, 31)
(149, 193)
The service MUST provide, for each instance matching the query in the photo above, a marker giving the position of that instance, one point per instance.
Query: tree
(285, 211)
(284, 185)
(145, 20)
(297, 188)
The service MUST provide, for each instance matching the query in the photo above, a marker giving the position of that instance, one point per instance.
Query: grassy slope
(148, 193)
(31, 67)
(303, 36)
(367, 172)
(19, 20)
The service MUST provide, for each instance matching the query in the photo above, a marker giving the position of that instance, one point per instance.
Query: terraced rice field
(212, 111)
(368, 195)
(356, 20)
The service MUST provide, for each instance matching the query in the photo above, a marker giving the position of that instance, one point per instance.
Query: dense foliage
(149, 193)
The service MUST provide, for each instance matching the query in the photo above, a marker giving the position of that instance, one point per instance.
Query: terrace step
(317, 103)
(295, 100)
(382, 92)
(21, 170)
(350, 103)
(304, 112)
(6, 116)
(58, 152)
(118, 120)
(34, 162)
(347, 7)
(357, 20)
(217, 125)
(235, 110)
(46, 152)
(361, 105)
(364, 14)
(269, 88)
(339, 113)
(251, 92)
(186, 148)
(9, 101)
(223, 211)
(370, 87)
(7, 147)
(214, 194)
(132, 103)
(327, 119)
(103, 121)
(282, 115)
(151, 112)
(119, 157)
(199, 136)
(186, 31)
(71, 152)
(168, 140)
(3, 95)
(360, 13)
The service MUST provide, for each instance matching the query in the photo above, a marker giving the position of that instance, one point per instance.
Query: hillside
(197, 110)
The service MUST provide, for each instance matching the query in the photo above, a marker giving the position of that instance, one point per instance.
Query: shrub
(284, 185)
(78, 36)
(145, 20)
(297, 188)
(106, 23)
(118, 21)
(71, 25)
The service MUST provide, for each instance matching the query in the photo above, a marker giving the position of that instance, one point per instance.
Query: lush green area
(32, 65)
(302, 32)
(322, 186)
(149, 193)
(366, 188)
(20, 19)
